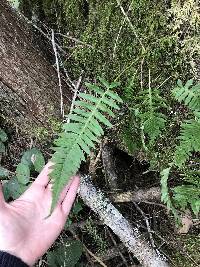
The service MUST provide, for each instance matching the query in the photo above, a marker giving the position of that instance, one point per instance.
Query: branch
(58, 73)
(140, 195)
(130, 236)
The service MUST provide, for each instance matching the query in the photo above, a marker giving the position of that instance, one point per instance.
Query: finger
(2, 200)
(65, 190)
(43, 178)
(48, 191)
(71, 195)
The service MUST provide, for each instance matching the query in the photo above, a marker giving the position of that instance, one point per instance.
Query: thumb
(2, 200)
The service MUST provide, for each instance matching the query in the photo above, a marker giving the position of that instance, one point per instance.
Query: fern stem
(150, 94)
(143, 138)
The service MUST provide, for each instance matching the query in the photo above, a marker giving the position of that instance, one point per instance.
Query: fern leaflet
(81, 134)
(148, 111)
(189, 141)
(188, 94)
(165, 197)
(187, 194)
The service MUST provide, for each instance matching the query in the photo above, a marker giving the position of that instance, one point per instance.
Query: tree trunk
(29, 92)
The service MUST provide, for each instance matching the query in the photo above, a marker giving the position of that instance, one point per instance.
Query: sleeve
(8, 260)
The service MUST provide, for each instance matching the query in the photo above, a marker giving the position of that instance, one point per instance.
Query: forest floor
(152, 218)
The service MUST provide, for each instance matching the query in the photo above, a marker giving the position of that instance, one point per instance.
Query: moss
(112, 47)
(111, 44)
(188, 256)
(43, 133)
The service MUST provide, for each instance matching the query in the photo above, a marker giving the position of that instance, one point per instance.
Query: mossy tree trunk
(29, 91)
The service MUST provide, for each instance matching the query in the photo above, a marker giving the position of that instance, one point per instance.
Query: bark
(29, 92)
(140, 195)
(130, 236)
(109, 166)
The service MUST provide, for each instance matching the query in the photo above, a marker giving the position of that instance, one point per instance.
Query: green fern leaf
(188, 94)
(187, 194)
(165, 197)
(153, 125)
(164, 188)
(189, 141)
(148, 110)
(80, 135)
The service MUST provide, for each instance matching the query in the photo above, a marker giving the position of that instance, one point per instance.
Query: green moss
(188, 256)
(111, 44)
(111, 47)
(43, 133)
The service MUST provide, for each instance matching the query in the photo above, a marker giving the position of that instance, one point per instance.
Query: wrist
(26, 259)
(9, 260)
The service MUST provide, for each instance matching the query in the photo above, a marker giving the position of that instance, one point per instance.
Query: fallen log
(129, 235)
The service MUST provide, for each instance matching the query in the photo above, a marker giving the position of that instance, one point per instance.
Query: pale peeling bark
(29, 92)
(140, 195)
(129, 235)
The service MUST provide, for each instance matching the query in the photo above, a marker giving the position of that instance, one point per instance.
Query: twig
(56, 44)
(164, 82)
(41, 31)
(97, 258)
(156, 204)
(70, 82)
(58, 73)
(94, 256)
(130, 24)
(116, 41)
(115, 244)
(147, 224)
(141, 74)
(75, 95)
(111, 253)
(78, 41)
(73, 232)
(120, 29)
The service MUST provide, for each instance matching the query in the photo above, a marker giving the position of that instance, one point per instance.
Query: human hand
(24, 229)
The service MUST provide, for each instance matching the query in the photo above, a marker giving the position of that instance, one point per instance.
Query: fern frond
(151, 99)
(165, 197)
(153, 124)
(185, 195)
(188, 94)
(189, 141)
(148, 111)
(81, 134)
